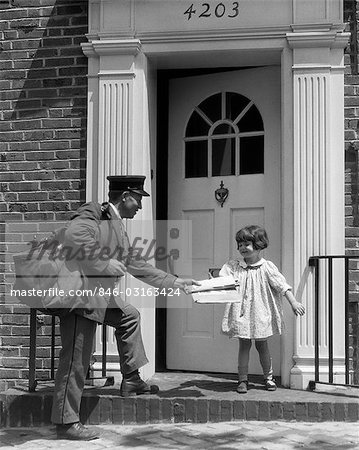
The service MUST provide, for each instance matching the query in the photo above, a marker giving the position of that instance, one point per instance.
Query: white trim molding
(329, 39)
(130, 47)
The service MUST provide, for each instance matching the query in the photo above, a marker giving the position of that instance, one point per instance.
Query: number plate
(218, 10)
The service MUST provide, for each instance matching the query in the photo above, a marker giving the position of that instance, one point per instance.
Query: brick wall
(43, 89)
(351, 8)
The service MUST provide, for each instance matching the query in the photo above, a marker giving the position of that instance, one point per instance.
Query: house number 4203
(219, 10)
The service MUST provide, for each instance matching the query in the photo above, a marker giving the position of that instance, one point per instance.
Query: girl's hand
(185, 284)
(298, 308)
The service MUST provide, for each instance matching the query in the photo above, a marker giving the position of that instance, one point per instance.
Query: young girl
(259, 313)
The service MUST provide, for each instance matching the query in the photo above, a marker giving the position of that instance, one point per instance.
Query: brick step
(185, 397)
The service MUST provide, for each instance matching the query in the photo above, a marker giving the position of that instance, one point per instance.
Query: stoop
(184, 397)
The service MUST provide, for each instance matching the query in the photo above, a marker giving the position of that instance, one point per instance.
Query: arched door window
(224, 136)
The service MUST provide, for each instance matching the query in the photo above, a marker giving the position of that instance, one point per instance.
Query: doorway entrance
(223, 128)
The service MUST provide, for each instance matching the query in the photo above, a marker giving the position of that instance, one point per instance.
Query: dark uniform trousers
(77, 335)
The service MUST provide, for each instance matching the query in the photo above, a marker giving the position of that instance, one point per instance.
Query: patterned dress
(259, 312)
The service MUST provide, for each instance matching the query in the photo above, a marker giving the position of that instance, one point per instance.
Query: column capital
(130, 47)
(315, 39)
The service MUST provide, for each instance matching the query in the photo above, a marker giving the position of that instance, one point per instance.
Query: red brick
(353, 412)
(40, 175)
(179, 410)
(313, 412)
(54, 145)
(167, 409)
(129, 411)
(56, 196)
(10, 351)
(58, 103)
(39, 216)
(14, 363)
(12, 156)
(351, 101)
(55, 185)
(13, 74)
(9, 373)
(252, 407)
(154, 410)
(117, 411)
(55, 206)
(34, 196)
(226, 411)
(24, 186)
(39, 135)
(340, 412)
(54, 165)
(142, 410)
(68, 154)
(23, 166)
(16, 340)
(11, 136)
(71, 10)
(276, 410)
(38, 156)
(15, 319)
(8, 176)
(68, 134)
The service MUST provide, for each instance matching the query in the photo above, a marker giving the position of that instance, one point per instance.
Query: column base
(303, 372)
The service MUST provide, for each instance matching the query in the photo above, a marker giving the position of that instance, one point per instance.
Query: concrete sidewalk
(224, 436)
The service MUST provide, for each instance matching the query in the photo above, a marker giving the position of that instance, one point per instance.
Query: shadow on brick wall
(49, 116)
(352, 166)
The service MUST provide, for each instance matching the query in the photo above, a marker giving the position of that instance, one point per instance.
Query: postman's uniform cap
(132, 183)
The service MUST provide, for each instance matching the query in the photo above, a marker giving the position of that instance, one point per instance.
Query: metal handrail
(32, 352)
(314, 262)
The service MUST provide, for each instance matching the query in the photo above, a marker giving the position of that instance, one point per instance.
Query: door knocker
(221, 194)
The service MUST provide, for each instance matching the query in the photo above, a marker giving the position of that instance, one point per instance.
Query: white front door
(223, 127)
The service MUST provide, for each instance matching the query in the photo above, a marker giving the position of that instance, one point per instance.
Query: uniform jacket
(93, 237)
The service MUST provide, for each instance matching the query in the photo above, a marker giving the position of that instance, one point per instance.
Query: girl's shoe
(270, 385)
(242, 387)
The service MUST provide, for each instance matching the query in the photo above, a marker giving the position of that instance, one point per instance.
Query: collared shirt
(245, 265)
(115, 210)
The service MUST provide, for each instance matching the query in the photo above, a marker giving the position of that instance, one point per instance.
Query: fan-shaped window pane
(212, 107)
(196, 126)
(196, 159)
(251, 155)
(235, 104)
(251, 121)
(223, 157)
(223, 128)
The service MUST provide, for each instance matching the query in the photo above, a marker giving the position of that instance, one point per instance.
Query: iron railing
(33, 381)
(326, 262)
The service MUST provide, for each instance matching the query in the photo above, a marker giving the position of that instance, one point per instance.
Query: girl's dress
(259, 312)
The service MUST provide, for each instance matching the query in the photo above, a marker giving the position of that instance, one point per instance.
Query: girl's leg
(265, 358)
(243, 359)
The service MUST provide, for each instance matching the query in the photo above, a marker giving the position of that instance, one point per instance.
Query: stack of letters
(216, 290)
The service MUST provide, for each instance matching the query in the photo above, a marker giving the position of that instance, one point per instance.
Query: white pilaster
(118, 144)
(318, 135)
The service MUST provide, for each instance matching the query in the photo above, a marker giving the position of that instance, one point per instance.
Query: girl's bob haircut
(255, 234)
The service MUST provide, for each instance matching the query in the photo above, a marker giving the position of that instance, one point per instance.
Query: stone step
(192, 398)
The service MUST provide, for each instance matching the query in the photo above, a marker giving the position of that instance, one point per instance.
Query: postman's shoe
(75, 432)
(131, 387)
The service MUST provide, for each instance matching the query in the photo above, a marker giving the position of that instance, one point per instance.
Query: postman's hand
(115, 268)
(185, 283)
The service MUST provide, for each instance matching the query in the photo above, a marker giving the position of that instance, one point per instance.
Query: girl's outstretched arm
(297, 307)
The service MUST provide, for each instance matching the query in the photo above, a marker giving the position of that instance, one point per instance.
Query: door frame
(163, 78)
